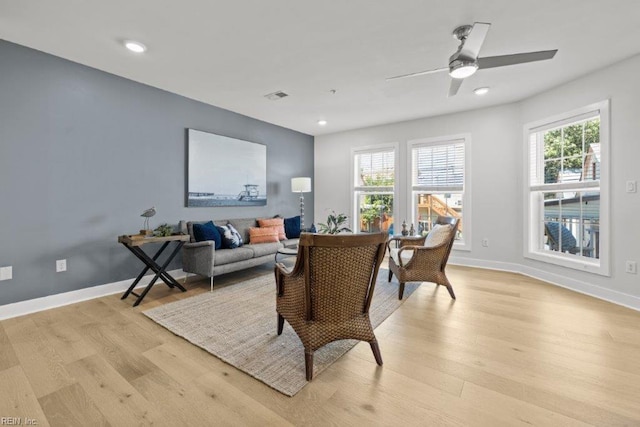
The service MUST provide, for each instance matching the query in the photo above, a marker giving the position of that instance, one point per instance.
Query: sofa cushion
(406, 255)
(263, 235)
(207, 231)
(261, 249)
(227, 256)
(276, 223)
(231, 239)
(243, 225)
(292, 227)
(290, 243)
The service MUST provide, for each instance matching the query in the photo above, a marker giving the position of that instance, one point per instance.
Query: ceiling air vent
(276, 95)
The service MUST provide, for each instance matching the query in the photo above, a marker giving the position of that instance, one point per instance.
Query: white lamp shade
(301, 185)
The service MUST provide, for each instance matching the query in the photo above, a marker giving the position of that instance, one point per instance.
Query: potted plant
(334, 224)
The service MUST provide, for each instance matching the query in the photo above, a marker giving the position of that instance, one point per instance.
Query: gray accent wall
(84, 152)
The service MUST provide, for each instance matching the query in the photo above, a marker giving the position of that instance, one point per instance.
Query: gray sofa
(203, 259)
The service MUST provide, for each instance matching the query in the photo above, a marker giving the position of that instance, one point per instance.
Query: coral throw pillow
(263, 235)
(276, 223)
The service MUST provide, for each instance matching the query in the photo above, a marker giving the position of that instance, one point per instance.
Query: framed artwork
(225, 171)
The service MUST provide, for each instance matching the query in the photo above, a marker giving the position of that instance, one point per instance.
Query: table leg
(162, 273)
(144, 270)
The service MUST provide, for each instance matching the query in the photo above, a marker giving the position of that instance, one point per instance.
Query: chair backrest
(454, 222)
(340, 273)
(555, 231)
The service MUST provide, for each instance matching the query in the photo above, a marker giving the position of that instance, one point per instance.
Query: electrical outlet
(485, 242)
(631, 186)
(6, 273)
(631, 267)
(61, 265)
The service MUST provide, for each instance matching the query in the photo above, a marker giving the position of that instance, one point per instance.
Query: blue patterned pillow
(231, 239)
(207, 231)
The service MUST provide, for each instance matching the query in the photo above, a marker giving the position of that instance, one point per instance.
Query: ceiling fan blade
(455, 85)
(473, 42)
(419, 73)
(516, 58)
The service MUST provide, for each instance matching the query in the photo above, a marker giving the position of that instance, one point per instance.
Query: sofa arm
(197, 258)
(198, 244)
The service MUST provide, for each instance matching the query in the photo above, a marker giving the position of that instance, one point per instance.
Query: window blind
(439, 167)
(375, 169)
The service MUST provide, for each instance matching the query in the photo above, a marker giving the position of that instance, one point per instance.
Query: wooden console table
(134, 245)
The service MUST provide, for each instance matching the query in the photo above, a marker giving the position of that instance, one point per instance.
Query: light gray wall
(497, 177)
(494, 178)
(611, 83)
(83, 153)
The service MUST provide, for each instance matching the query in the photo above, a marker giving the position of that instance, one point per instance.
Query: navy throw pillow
(231, 239)
(207, 231)
(292, 227)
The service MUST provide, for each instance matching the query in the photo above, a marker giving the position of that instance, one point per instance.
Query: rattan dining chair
(327, 294)
(425, 263)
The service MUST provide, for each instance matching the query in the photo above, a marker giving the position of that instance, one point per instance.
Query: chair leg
(376, 351)
(280, 323)
(390, 274)
(450, 289)
(401, 290)
(211, 280)
(446, 283)
(308, 364)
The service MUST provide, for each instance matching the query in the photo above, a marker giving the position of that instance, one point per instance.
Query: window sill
(461, 246)
(569, 261)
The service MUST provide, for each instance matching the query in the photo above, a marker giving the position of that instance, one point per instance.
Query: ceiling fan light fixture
(461, 69)
(481, 91)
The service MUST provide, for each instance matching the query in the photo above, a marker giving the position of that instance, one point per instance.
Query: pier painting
(225, 171)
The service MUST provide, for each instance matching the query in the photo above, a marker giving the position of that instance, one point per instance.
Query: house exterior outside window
(567, 197)
(374, 185)
(439, 183)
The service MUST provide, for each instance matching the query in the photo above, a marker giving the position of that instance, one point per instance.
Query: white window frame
(463, 244)
(533, 213)
(392, 146)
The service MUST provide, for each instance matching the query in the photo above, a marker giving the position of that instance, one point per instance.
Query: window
(567, 186)
(374, 181)
(438, 184)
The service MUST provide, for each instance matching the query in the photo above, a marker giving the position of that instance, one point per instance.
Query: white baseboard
(52, 301)
(619, 298)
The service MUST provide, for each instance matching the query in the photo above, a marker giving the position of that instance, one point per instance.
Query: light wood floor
(510, 351)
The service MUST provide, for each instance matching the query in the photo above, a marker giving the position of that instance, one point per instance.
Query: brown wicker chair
(326, 297)
(427, 263)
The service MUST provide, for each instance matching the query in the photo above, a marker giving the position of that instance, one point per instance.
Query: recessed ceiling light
(135, 46)
(481, 91)
(322, 122)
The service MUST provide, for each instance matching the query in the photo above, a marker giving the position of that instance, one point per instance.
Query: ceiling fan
(465, 62)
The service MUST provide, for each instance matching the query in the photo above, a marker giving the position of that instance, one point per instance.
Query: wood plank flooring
(510, 351)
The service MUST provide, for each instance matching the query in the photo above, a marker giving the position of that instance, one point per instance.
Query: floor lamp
(301, 185)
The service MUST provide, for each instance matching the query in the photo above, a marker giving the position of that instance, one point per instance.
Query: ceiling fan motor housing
(461, 66)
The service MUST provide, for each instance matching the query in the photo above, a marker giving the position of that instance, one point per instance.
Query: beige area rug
(237, 324)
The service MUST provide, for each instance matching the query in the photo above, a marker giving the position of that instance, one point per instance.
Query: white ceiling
(232, 53)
